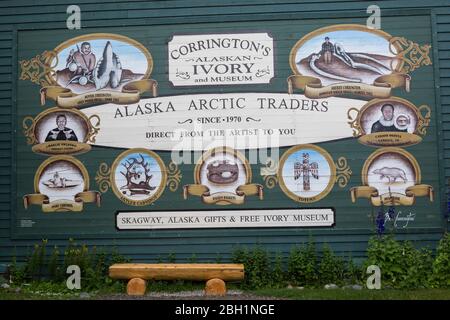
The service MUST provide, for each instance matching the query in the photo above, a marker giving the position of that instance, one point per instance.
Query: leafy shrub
(441, 265)
(256, 265)
(331, 268)
(401, 265)
(94, 266)
(302, 264)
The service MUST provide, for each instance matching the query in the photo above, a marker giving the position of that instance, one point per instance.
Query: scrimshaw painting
(99, 63)
(353, 56)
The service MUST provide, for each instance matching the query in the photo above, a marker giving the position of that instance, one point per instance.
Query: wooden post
(215, 287)
(136, 287)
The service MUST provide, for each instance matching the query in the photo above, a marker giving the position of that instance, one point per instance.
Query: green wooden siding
(166, 17)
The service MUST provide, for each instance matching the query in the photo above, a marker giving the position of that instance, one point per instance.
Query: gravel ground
(186, 295)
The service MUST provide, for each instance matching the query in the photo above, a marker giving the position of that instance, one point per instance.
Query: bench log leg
(136, 287)
(215, 287)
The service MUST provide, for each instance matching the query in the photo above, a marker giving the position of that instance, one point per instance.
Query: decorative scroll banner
(223, 198)
(61, 184)
(62, 205)
(391, 176)
(238, 120)
(223, 176)
(331, 61)
(381, 88)
(130, 93)
(393, 198)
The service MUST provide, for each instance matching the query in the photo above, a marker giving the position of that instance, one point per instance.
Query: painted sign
(221, 59)
(272, 158)
(238, 120)
(318, 217)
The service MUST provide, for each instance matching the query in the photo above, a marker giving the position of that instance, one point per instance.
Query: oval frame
(70, 159)
(330, 184)
(41, 115)
(338, 27)
(94, 36)
(379, 152)
(218, 150)
(405, 102)
(162, 185)
(75, 147)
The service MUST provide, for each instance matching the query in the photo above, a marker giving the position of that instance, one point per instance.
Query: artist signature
(400, 221)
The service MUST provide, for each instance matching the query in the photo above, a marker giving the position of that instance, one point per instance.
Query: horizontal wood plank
(176, 271)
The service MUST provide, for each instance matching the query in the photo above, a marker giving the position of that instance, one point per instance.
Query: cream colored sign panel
(320, 217)
(221, 59)
(237, 120)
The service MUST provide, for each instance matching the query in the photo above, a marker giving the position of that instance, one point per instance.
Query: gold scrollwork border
(424, 116)
(102, 177)
(411, 54)
(330, 162)
(269, 173)
(343, 172)
(39, 68)
(173, 176)
(161, 186)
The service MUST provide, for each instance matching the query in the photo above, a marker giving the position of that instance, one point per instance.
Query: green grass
(349, 294)
(48, 291)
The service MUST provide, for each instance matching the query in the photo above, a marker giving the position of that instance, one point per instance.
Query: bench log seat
(214, 274)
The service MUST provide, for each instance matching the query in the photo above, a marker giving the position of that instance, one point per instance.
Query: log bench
(214, 274)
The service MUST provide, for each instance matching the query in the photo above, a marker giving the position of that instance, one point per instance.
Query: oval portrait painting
(344, 53)
(100, 62)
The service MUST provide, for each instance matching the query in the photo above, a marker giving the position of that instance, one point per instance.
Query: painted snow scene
(350, 56)
(100, 64)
